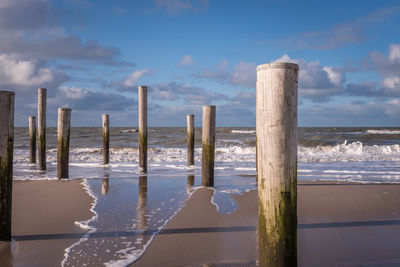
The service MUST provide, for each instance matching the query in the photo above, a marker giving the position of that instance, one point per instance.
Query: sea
(129, 209)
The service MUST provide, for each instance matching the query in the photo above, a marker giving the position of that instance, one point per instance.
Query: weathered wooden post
(190, 183)
(208, 146)
(142, 129)
(42, 98)
(32, 139)
(190, 139)
(6, 162)
(106, 138)
(63, 133)
(277, 163)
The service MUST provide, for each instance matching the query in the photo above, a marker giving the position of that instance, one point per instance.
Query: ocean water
(129, 209)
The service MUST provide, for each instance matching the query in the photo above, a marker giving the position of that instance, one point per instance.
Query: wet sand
(44, 213)
(340, 224)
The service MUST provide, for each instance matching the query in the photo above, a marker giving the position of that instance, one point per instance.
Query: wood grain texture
(42, 99)
(32, 139)
(63, 134)
(190, 139)
(6, 162)
(208, 146)
(276, 111)
(142, 129)
(106, 138)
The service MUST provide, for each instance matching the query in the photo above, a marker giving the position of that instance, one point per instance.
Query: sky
(91, 55)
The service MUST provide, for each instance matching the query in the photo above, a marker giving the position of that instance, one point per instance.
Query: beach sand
(44, 213)
(340, 224)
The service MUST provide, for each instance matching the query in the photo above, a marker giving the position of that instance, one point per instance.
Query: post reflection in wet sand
(142, 204)
(104, 184)
(190, 183)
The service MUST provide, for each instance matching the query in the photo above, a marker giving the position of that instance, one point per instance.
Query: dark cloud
(33, 32)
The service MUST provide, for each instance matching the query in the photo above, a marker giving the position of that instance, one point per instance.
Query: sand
(44, 213)
(339, 225)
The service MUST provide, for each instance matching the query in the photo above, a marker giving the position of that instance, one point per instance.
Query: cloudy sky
(91, 55)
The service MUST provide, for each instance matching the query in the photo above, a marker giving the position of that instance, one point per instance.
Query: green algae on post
(208, 146)
(63, 136)
(42, 98)
(106, 138)
(142, 129)
(190, 139)
(277, 163)
(6, 162)
(32, 139)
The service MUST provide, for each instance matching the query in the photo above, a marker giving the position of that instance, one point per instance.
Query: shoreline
(43, 222)
(339, 224)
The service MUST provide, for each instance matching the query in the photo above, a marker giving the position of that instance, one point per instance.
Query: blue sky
(92, 55)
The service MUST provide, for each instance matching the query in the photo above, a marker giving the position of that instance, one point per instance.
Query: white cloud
(186, 61)
(244, 73)
(17, 73)
(317, 82)
(394, 53)
(132, 79)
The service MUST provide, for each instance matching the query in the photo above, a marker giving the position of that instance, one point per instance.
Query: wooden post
(277, 163)
(142, 129)
(190, 183)
(208, 146)
(32, 139)
(6, 162)
(106, 138)
(42, 98)
(63, 133)
(190, 139)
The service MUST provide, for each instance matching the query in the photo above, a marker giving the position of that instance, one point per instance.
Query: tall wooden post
(143, 129)
(277, 163)
(42, 98)
(208, 146)
(190, 139)
(63, 133)
(106, 138)
(32, 139)
(6, 162)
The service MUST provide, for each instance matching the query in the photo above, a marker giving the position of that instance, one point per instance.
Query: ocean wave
(354, 151)
(383, 131)
(244, 131)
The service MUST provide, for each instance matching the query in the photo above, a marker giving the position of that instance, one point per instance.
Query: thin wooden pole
(142, 129)
(190, 139)
(106, 138)
(208, 146)
(190, 183)
(42, 99)
(32, 139)
(63, 133)
(277, 163)
(6, 162)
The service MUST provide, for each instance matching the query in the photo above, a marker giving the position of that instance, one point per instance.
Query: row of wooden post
(276, 128)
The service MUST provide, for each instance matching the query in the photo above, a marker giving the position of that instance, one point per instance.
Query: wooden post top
(278, 65)
(7, 92)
